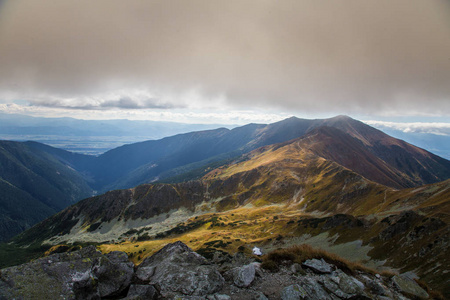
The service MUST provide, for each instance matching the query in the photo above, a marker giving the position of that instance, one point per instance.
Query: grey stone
(83, 274)
(85, 286)
(145, 273)
(180, 271)
(296, 268)
(349, 284)
(293, 292)
(313, 288)
(318, 266)
(377, 288)
(243, 276)
(334, 297)
(113, 272)
(218, 297)
(142, 291)
(330, 285)
(258, 270)
(408, 286)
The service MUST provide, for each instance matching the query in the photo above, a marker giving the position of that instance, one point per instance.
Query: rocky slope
(176, 272)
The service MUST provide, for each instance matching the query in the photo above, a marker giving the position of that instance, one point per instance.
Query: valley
(336, 184)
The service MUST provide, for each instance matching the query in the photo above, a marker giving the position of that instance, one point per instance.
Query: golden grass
(241, 227)
(301, 253)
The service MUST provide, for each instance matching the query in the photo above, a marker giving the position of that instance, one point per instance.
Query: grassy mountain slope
(394, 163)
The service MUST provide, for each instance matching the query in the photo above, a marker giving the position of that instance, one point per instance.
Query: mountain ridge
(181, 150)
(192, 155)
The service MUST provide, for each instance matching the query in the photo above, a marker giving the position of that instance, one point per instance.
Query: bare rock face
(113, 272)
(84, 274)
(180, 271)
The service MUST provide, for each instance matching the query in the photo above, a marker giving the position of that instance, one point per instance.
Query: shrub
(301, 253)
(144, 237)
(270, 266)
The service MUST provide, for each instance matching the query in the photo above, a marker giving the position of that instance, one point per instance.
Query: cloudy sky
(226, 61)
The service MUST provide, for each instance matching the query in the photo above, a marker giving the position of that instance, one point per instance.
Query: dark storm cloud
(389, 56)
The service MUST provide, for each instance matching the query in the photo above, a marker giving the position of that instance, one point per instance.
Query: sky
(227, 61)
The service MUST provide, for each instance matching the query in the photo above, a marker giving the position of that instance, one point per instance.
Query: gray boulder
(113, 273)
(313, 289)
(293, 292)
(83, 274)
(330, 285)
(409, 287)
(318, 266)
(376, 287)
(180, 271)
(242, 276)
(349, 284)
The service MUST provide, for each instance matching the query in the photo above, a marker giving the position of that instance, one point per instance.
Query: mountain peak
(342, 117)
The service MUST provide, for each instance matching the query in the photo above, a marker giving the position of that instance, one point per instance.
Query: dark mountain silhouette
(34, 185)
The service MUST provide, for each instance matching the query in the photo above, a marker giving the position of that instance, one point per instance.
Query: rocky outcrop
(177, 272)
(83, 274)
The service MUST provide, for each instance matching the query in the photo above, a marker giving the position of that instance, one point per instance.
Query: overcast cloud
(379, 57)
(416, 127)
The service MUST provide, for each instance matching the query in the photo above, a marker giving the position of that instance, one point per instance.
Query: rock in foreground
(180, 271)
(83, 274)
(177, 272)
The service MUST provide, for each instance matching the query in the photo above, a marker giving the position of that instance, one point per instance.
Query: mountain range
(337, 183)
(44, 179)
(89, 136)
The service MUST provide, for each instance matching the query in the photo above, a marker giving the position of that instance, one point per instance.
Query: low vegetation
(301, 253)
